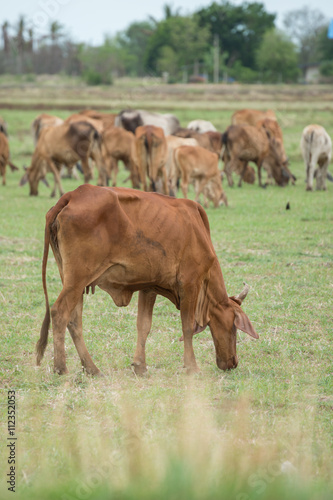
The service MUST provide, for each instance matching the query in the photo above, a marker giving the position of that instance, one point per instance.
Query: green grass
(167, 435)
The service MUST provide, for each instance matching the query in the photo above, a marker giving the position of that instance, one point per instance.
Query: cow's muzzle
(227, 365)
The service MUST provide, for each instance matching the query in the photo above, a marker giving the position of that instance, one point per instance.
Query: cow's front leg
(75, 329)
(187, 316)
(145, 314)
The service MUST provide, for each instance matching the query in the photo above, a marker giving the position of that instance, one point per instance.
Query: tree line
(221, 41)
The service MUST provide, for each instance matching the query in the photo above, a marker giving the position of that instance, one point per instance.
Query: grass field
(262, 431)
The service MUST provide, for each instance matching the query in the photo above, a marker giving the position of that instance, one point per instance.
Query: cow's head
(35, 173)
(276, 162)
(249, 175)
(214, 192)
(224, 321)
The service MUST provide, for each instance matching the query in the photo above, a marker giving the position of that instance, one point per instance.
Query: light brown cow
(174, 142)
(151, 151)
(199, 166)
(251, 116)
(4, 157)
(110, 238)
(119, 144)
(246, 143)
(65, 144)
(43, 121)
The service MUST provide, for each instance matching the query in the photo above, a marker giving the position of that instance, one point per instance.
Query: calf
(197, 165)
(316, 147)
(174, 142)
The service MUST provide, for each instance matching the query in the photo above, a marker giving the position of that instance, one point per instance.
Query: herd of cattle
(159, 154)
(128, 240)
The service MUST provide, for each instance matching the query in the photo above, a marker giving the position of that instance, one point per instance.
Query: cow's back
(251, 116)
(139, 237)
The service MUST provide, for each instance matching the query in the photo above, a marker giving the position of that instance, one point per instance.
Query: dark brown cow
(123, 241)
(151, 151)
(4, 157)
(246, 143)
(65, 144)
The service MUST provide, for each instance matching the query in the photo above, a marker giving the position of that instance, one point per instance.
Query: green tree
(324, 45)
(99, 63)
(183, 35)
(240, 29)
(277, 58)
(134, 42)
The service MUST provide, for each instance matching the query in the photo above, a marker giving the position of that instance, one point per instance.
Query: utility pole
(216, 58)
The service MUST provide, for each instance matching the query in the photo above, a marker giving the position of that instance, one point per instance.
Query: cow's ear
(243, 323)
(24, 179)
(268, 133)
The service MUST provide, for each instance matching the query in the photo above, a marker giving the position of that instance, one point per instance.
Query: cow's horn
(244, 292)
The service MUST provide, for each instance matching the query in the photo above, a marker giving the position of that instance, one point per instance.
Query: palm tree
(5, 38)
(56, 32)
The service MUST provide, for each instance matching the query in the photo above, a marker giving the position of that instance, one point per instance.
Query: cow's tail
(44, 331)
(149, 149)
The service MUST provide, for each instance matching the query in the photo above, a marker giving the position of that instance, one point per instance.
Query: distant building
(310, 73)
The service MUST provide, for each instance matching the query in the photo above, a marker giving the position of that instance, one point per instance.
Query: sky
(90, 20)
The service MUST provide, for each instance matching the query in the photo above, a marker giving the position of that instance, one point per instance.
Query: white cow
(316, 147)
(201, 126)
(131, 119)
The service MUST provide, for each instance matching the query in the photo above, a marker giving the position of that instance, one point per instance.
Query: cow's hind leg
(144, 320)
(75, 329)
(61, 312)
(322, 174)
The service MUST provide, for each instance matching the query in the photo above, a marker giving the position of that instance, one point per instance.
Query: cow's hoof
(192, 370)
(61, 371)
(94, 373)
(308, 188)
(139, 369)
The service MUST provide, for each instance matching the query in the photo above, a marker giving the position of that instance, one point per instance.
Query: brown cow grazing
(4, 157)
(65, 144)
(43, 121)
(246, 143)
(251, 116)
(151, 155)
(108, 237)
(119, 144)
(197, 165)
